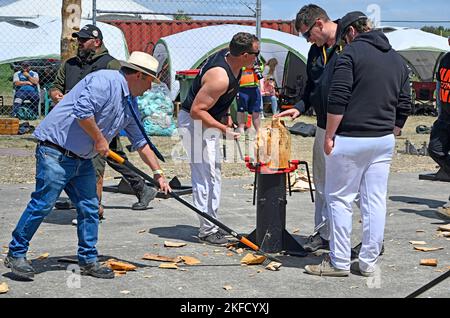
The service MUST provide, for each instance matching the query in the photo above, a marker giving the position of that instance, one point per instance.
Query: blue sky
(389, 10)
(287, 9)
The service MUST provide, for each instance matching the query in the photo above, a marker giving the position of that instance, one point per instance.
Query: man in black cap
(92, 56)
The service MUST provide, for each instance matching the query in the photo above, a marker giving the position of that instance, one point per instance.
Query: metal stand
(270, 233)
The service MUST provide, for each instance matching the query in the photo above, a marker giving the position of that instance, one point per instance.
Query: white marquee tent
(40, 38)
(420, 49)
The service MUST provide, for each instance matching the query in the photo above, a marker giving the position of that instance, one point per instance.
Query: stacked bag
(156, 110)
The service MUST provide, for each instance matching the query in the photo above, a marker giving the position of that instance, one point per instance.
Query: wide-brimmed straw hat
(142, 62)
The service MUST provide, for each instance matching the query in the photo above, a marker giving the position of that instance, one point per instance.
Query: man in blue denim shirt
(82, 125)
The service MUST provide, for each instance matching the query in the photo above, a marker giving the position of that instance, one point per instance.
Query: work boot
(64, 204)
(326, 269)
(19, 266)
(97, 270)
(145, 196)
(315, 243)
(355, 251)
(214, 239)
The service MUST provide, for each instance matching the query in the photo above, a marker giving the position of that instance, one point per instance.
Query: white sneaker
(74, 222)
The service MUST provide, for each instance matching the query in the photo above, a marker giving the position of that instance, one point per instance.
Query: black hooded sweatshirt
(370, 87)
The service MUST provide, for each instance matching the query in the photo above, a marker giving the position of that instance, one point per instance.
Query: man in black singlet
(199, 124)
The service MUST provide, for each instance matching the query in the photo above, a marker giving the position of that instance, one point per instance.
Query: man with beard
(92, 56)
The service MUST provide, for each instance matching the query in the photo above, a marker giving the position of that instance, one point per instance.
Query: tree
(181, 16)
(71, 16)
(440, 30)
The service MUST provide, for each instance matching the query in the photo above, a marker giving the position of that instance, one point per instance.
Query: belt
(65, 152)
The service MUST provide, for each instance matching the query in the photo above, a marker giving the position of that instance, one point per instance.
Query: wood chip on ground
(168, 266)
(252, 259)
(119, 273)
(427, 249)
(189, 260)
(445, 227)
(161, 258)
(116, 265)
(174, 244)
(4, 288)
(273, 266)
(418, 242)
(43, 256)
(429, 262)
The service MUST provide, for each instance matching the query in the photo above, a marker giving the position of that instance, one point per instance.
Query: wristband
(159, 171)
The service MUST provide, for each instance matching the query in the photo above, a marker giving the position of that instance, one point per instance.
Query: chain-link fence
(181, 34)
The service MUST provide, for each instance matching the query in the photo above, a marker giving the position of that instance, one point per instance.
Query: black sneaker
(145, 196)
(315, 243)
(64, 204)
(214, 239)
(97, 270)
(224, 233)
(357, 249)
(20, 267)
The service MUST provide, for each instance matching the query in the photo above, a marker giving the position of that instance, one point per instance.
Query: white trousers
(320, 213)
(203, 149)
(357, 165)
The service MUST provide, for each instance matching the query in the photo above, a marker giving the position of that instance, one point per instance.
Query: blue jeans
(273, 101)
(21, 96)
(55, 172)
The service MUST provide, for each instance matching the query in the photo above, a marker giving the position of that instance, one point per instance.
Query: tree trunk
(71, 16)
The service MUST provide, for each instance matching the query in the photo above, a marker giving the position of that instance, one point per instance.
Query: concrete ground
(128, 235)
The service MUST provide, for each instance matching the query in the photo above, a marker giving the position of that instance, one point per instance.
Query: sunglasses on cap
(307, 34)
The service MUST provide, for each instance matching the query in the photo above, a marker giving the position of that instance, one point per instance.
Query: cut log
(273, 145)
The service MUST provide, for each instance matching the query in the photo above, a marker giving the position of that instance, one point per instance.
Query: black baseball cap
(346, 21)
(89, 31)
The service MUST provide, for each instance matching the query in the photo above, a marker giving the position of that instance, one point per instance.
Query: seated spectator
(269, 93)
(26, 85)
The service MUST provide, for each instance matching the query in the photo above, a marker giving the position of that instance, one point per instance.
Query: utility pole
(258, 19)
(71, 16)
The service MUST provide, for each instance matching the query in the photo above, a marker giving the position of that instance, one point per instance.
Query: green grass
(5, 79)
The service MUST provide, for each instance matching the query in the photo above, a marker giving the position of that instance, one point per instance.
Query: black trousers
(440, 143)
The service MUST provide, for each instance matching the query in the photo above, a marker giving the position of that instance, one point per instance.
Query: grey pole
(94, 12)
(258, 19)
